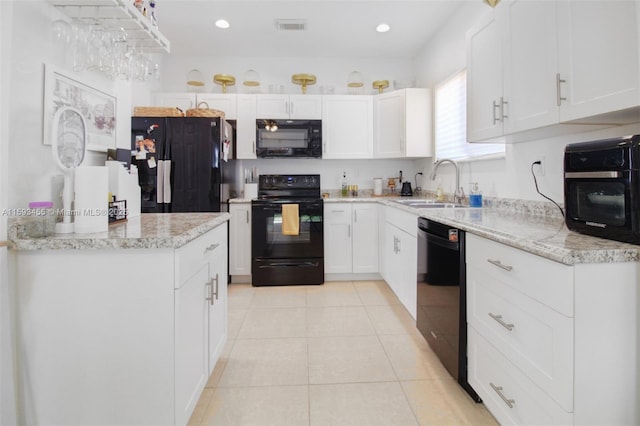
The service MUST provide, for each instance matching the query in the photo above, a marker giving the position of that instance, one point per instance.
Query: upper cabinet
(347, 126)
(289, 106)
(402, 123)
(246, 127)
(183, 100)
(598, 43)
(531, 65)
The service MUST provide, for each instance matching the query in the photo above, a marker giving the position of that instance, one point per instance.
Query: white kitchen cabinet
(400, 256)
(184, 100)
(129, 335)
(240, 240)
(350, 238)
(226, 102)
(246, 127)
(537, 328)
(537, 66)
(403, 124)
(599, 54)
(289, 106)
(347, 126)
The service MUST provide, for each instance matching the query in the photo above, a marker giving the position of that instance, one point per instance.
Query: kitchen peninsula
(121, 327)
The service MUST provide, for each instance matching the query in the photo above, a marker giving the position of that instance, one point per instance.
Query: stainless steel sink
(428, 204)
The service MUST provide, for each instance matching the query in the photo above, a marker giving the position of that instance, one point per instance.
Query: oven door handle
(289, 264)
(592, 175)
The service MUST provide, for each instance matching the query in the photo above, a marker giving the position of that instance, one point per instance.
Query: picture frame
(96, 106)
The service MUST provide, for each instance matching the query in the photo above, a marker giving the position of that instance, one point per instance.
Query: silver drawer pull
(500, 321)
(211, 247)
(500, 265)
(498, 390)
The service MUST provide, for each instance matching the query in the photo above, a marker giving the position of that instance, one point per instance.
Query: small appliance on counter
(602, 188)
(406, 190)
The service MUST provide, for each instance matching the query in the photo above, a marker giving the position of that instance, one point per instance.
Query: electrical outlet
(541, 166)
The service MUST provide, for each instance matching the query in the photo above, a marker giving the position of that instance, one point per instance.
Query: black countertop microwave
(602, 188)
(289, 138)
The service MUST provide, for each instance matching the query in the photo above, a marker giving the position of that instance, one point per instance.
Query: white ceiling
(334, 28)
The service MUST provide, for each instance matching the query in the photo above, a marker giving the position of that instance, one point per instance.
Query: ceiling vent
(291, 24)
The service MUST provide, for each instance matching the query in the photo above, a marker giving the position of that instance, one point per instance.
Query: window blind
(451, 122)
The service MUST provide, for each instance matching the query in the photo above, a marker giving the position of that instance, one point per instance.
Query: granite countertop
(147, 231)
(534, 227)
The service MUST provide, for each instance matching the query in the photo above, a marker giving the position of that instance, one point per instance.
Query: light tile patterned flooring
(343, 353)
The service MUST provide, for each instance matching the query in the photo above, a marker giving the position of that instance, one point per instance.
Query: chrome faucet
(458, 195)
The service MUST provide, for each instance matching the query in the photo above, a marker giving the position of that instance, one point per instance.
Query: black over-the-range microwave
(283, 138)
(602, 188)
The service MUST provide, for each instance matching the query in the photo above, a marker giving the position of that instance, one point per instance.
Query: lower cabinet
(240, 241)
(551, 343)
(350, 238)
(130, 336)
(400, 256)
(201, 317)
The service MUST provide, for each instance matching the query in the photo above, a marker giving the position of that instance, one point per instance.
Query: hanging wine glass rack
(120, 13)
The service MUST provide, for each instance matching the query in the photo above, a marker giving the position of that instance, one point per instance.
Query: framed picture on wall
(97, 106)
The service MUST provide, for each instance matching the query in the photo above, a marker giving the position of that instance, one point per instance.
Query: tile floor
(343, 353)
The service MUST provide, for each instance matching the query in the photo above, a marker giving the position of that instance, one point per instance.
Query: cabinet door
(337, 238)
(347, 126)
(272, 106)
(221, 101)
(246, 127)
(217, 302)
(598, 43)
(530, 65)
(390, 257)
(305, 107)
(389, 139)
(191, 347)
(240, 239)
(407, 247)
(365, 238)
(184, 101)
(418, 119)
(484, 79)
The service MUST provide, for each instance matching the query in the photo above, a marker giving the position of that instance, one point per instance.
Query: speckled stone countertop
(147, 231)
(535, 227)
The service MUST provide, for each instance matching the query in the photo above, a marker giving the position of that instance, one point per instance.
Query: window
(451, 123)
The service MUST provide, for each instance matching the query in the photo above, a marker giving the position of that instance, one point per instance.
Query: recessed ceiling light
(222, 23)
(383, 28)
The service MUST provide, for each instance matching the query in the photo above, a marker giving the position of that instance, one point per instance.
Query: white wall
(31, 166)
(509, 177)
(328, 71)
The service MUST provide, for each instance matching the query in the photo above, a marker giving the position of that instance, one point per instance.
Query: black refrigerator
(185, 164)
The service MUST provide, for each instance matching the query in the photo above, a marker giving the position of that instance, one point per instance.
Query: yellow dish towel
(290, 219)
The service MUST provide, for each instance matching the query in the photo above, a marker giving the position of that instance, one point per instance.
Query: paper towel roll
(377, 186)
(91, 185)
(250, 191)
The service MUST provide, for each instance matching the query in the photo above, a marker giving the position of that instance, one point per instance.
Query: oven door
(267, 239)
(600, 204)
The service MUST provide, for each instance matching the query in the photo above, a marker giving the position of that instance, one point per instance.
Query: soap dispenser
(345, 188)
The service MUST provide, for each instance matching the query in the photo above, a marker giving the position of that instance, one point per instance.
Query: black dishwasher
(441, 312)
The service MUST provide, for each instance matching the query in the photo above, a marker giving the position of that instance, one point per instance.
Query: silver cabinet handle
(291, 109)
(500, 321)
(211, 247)
(248, 218)
(500, 265)
(337, 211)
(498, 390)
(215, 293)
(209, 285)
(495, 107)
(559, 89)
(502, 104)
(254, 146)
(355, 215)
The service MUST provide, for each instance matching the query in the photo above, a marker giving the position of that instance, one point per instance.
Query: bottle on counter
(439, 193)
(475, 196)
(345, 187)
(42, 219)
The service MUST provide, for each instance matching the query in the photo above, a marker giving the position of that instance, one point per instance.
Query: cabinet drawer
(500, 384)
(549, 282)
(534, 337)
(404, 220)
(198, 251)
